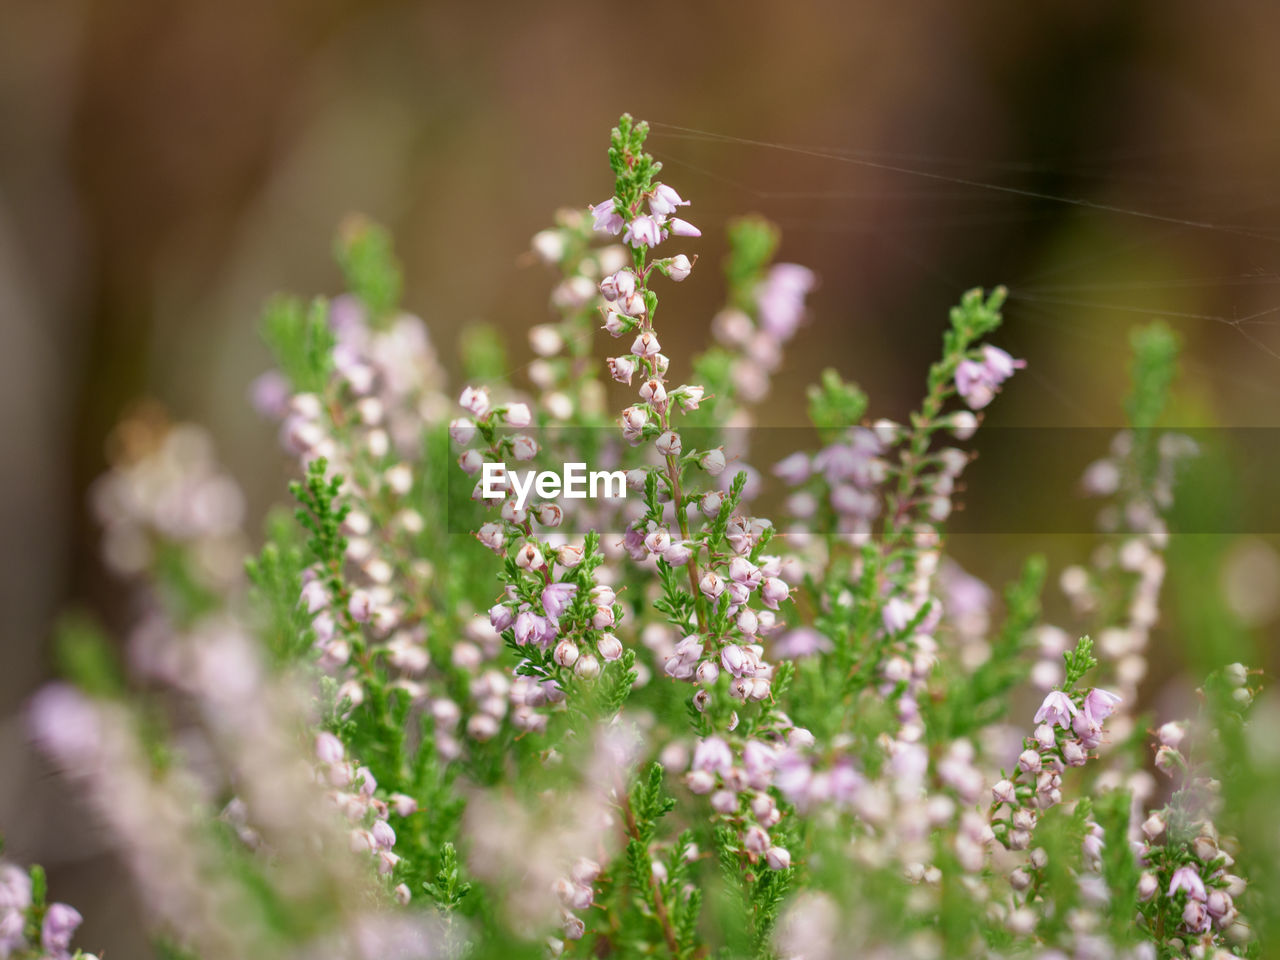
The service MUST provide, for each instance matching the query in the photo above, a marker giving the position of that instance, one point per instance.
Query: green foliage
(448, 889)
(276, 575)
(834, 405)
(85, 656)
(484, 356)
(753, 240)
(300, 340)
(1078, 662)
(364, 252)
(1151, 373)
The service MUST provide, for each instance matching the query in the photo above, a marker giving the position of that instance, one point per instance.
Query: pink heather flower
(897, 614)
(1186, 878)
(1100, 704)
(689, 396)
(15, 888)
(778, 858)
(712, 755)
(665, 200)
(360, 606)
(1196, 916)
(801, 642)
(774, 591)
(315, 596)
(683, 228)
(780, 299)
(475, 400)
(533, 629)
(609, 647)
(523, 448)
(1005, 792)
(566, 653)
(329, 749)
(678, 554)
(606, 218)
(972, 384)
(60, 923)
(679, 268)
(1057, 708)
(618, 286)
(556, 598)
(633, 422)
(622, 369)
(644, 231)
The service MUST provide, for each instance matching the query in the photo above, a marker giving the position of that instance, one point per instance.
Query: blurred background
(165, 166)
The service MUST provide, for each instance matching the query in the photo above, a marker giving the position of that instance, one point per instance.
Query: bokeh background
(165, 166)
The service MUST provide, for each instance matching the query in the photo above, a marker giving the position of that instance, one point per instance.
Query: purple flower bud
(755, 839)
(683, 228)
(1074, 753)
(707, 673)
(678, 554)
(778, 858)
(711, 585)
(383, 835)
(1029, 761)
(1196, 916)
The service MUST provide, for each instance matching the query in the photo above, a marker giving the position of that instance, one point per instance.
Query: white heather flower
(774, 591)
(529, 557)
(679, 268)
(619, 285)
(462, 430)
(471, 461)
(523, 448)
(689, 396)
(646, 345)
(713, 462)
(654, 392)
(1005, 792)
(587, 667)
(566, 653)
(400, 479)
(609, 647)
(622, 369)
(1153, 826)
(668, 443)
(475, 400)
(517, 415)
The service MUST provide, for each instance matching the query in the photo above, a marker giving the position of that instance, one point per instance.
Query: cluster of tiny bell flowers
(1187, 863)
(576, 893)
(353, 791)
(738, 785)
(1068, 733)
(56, 927)
(580, 644)
(730, 630)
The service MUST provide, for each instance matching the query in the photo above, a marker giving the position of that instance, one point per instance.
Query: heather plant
(434, 716)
